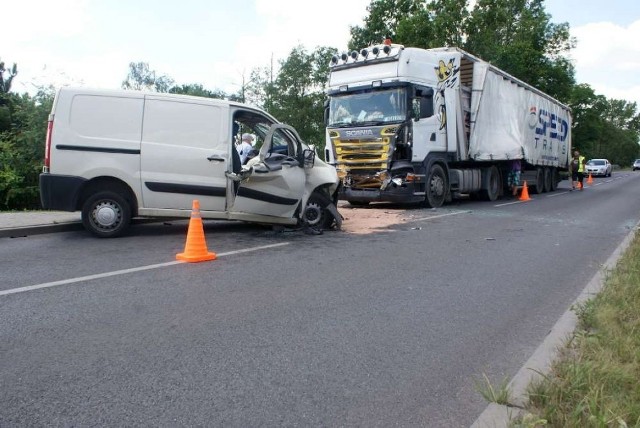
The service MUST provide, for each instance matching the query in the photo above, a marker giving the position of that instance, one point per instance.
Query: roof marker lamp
(386, 49)
(376, 83)
(354, 54)
(375, 51)
(334, 60)
(344, 56)
(364, 53)
(343, 88)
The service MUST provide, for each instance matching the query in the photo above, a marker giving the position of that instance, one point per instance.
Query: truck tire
(538, 185)
(106, 214)
(316, 216)
(547, 180)
(494, 184)
(437, 187)
(554, 179)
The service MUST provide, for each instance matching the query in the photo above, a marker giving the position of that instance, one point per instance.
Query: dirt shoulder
(370, 219)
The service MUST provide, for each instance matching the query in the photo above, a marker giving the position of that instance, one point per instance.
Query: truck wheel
(316, 215)
(106, 214)
(437, 185)
(538, 186)
(554, 179)
(547, 180)
(494, 184)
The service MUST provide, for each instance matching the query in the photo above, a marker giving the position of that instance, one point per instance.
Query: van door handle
(216, 158)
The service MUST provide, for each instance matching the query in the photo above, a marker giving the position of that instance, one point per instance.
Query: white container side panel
(513, 122)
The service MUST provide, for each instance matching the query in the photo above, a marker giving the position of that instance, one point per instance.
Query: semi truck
(410, 125)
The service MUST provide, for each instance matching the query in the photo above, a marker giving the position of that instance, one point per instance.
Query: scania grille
(362, 154)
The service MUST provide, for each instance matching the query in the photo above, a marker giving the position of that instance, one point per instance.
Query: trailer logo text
(549, 124)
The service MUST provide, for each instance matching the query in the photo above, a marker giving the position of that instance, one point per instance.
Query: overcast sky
(215, 43)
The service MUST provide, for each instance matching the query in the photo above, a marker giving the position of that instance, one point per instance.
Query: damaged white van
(115, 155)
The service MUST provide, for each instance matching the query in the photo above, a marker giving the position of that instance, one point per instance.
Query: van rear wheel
(106, 214)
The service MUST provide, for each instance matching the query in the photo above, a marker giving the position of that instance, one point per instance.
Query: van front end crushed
(373, 166)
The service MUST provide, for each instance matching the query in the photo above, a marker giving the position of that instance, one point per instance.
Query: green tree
(518, 37)
(515, 35)
(604, 128)
(22, 150)
(140, 77)
(6, 76)
(383, 20)
(297, 94)
(197, 90)
(435, 24)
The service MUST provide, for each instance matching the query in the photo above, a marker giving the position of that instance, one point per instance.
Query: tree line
(517, 36)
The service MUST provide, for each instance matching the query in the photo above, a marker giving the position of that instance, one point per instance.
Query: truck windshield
(388, 105)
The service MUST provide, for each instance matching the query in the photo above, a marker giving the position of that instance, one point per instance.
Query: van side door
(277, 181)
(184, 154)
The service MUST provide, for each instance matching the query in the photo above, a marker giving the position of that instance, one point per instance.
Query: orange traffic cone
(590, 180)
(524, 196)
(195, 249)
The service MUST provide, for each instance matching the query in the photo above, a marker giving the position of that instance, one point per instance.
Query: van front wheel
(106, 214)
(316, 215)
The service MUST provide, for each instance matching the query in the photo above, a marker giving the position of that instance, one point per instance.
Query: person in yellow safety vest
(577, 170)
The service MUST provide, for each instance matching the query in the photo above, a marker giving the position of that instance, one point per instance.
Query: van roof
(128, 93)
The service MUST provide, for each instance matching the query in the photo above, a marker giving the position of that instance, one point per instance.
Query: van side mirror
(309, 157)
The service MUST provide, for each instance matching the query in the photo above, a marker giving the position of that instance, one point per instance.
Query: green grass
(498, 395)
(596, 380)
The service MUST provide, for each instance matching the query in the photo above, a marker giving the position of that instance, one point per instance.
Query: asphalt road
(386, 329)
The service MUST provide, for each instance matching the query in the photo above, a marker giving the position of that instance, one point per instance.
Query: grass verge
(596, 380)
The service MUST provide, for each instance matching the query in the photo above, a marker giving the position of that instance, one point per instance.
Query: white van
(115, 155)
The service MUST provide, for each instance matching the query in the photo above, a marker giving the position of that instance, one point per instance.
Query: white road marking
(124, 271)
(512, 203)
(440, 216)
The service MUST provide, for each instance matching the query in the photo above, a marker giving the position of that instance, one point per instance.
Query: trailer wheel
(538, 186)
(106, 214)
(494, 184)
(554, 179)
(437, 186)
(547, 179)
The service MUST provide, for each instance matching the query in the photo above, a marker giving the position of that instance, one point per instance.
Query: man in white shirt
(245, 147)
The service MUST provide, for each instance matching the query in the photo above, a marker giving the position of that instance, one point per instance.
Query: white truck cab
(115, 155)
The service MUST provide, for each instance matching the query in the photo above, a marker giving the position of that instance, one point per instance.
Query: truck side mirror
(415, 109)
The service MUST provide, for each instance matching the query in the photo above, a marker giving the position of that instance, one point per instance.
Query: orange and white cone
(195, 249)
(524, 196)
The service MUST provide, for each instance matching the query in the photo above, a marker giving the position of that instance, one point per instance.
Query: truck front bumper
(396, 194)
